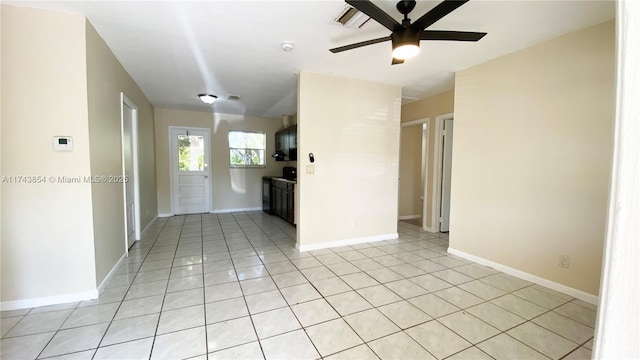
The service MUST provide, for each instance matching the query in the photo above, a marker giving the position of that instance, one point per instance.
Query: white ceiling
(177, 49)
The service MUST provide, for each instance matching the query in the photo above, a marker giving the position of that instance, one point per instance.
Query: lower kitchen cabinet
(283, 201)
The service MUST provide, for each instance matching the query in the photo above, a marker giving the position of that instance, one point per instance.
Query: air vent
(351, 18)
(233, 97)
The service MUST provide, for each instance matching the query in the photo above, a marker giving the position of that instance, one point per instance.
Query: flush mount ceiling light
(287, 46)
(207, 98)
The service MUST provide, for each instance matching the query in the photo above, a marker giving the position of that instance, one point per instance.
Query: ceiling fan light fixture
(405, 51)
(405, 44)
(207, 98)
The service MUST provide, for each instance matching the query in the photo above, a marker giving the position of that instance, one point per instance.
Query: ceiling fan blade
(395, 61)
(451, 35)
(360, 44)
(441, 10)
(374, 12)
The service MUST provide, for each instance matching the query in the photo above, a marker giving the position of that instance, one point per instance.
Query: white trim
(346, 242)
(172, 172)
(617, 327)
(125, 255)
(148, 226)
(111, 273)
(224, 211)
(429, 229)
(124, 100)
(424, 160)
(409, 217)
(48, 300)
(578, 294)
(166, 215)
(415, 122)
(425, 171)
(437, 172)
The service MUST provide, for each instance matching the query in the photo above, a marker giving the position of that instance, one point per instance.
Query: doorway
(414, 143)
(190, 170)
(442, 172)
(129, 136)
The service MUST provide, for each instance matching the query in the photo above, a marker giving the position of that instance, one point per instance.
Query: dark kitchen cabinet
(281, 141)
(290, 203)
(286, 140)
(293, 136)
(283, 202)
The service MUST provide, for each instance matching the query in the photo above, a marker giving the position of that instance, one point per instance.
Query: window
(190, 153)
(246, 149)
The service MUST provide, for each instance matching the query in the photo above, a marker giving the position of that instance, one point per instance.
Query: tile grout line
(204, 296)
(285, 301)
(399, 249)
(244, 296)
(75, 308)
(153, 343)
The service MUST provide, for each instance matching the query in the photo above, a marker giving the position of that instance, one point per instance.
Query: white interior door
(191, 185)
(447, 147)
(127, 155)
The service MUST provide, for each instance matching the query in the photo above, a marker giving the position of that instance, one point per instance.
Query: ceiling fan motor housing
(407, 36)
(405, 6)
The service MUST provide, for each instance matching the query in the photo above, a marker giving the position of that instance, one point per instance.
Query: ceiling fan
(405, 37)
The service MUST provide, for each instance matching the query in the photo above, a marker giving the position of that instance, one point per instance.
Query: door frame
(437, 171)
(124, 100)
(424, 161)
(172, 179)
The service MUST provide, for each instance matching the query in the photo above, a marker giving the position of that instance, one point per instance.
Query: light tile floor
(233, 286)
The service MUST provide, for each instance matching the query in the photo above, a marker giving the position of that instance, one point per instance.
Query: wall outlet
(565, 261)
(351, 224)
(311, 169)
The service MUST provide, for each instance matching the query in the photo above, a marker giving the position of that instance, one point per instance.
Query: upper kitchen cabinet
(287, 144)
(293, 136)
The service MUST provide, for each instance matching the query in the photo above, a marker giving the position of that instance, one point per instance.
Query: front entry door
(190, 170)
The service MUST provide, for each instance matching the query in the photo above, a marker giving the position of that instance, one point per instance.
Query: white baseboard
(48, 300)
(409, 217)
(165, 215)
(224, 211)
(146, 228)
(65, 298)
(110, 274)
(429, 229)
(578, 294)
(346, 242)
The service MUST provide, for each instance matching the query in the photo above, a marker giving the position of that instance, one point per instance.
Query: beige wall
(231, 188)
(106, 79)
(356, 153)
(410, 182)
(531, 157)
(428, 107)
(47, 236)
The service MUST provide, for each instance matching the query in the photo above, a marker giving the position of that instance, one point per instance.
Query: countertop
(285, 180)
